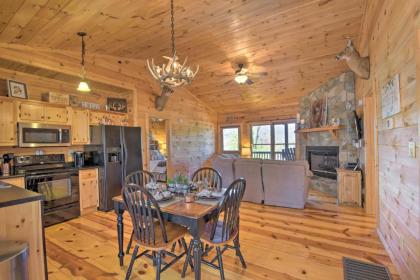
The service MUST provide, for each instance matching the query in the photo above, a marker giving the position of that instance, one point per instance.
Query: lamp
(83, 85)
(174, 73)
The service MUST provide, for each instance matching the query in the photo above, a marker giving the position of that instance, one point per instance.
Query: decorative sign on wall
(390, 97)
(117, 104)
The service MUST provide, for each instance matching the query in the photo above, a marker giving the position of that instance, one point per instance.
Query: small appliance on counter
(79, 159)
(7, 165)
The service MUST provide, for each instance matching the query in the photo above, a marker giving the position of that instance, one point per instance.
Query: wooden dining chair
(150, 229)
(212, 176)
(141, 178)
(223, 230)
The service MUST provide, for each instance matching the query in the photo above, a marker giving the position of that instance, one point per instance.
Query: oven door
(42, 135)
(59, 189)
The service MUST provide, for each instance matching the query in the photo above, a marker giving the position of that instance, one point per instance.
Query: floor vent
(358, 270)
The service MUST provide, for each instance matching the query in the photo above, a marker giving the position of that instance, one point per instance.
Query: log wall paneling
(388, 35)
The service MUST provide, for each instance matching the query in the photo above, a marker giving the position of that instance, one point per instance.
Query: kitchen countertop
(11, 176)
(13, 195)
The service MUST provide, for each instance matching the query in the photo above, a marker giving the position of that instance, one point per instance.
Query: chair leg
(238, 252)
(219, 257)
(187, 260)
(173, 247)
(154, 258)
(184, 245)
(133, 258)
(158, 264)
(129, 243)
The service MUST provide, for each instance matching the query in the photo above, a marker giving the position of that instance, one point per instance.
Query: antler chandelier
(173, 74)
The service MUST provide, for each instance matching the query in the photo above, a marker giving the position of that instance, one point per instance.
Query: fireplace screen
(323, 160)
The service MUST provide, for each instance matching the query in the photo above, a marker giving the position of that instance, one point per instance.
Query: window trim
(222, 142)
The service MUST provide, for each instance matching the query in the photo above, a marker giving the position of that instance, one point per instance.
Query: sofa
(272, 182)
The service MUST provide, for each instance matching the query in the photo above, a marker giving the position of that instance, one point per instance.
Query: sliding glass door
(273, 141)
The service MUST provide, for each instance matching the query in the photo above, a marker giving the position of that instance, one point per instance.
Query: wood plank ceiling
(291, 43)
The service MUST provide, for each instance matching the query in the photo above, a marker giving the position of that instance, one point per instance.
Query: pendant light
(83, 85)
(173, 74)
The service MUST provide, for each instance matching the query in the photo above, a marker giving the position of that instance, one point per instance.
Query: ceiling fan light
(83, 86)
(241, 78)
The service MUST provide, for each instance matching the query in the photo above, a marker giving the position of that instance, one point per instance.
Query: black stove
(53, 178)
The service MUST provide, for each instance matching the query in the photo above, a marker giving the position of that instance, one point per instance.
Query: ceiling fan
(241, 75)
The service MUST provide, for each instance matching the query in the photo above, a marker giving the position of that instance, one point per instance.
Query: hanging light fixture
(173, 74)
(83, 85)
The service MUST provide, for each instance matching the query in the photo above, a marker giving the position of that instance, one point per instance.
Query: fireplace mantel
(333, 129)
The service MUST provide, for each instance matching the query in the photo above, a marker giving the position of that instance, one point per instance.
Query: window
(230, 139)
(270, 141)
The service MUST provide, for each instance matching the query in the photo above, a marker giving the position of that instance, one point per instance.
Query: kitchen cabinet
(89, 190)
(96, 118)
(349, 187)
(80, 127)
(31, 112)
(42, 113)
(8, 135)
(109, 118)
(56, 115)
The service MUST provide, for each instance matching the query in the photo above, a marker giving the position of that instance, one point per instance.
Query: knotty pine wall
(388, 36)
(192, 138)
(191, 123)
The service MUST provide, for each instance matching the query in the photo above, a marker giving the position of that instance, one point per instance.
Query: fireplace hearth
(323, 160)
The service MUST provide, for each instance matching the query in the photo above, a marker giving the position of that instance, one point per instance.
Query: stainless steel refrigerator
(120, 150)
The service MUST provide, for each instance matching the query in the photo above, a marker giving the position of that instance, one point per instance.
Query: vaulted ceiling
(287, 45)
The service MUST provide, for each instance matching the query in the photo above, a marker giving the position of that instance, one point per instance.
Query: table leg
(120, 230)
(197, 257)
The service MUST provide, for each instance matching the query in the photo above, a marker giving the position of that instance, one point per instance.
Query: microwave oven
(43, 135)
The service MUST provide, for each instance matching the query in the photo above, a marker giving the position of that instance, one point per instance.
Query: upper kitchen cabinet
(31, 112)
(56, 114)
(43, 113)
(80, 127)
(8, 135)
(108, 118)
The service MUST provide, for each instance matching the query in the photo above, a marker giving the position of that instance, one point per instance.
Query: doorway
(158, 148)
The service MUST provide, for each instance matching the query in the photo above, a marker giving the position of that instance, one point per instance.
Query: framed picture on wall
(17, 89)
(117, 104)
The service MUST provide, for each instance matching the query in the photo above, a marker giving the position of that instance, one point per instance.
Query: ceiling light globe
(83, 87)
(241, 79)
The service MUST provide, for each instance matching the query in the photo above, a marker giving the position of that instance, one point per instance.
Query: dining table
(192, 215)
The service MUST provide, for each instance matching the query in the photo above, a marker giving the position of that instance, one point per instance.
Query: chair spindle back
(211, 175)
(145, 214)
(229, 206)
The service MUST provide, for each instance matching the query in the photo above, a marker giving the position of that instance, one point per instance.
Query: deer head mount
(359, 65)
(160, 101)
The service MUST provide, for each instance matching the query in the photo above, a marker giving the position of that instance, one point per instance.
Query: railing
(267, 155)
(283, 155)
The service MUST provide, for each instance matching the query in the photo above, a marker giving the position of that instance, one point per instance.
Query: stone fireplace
(323, 160)
(323, 151)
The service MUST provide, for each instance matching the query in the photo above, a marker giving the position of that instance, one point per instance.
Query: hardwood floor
(277, 243)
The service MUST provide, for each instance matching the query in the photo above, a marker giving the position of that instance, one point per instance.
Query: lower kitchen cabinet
(89, 190)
